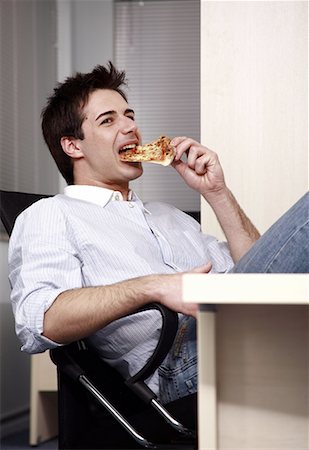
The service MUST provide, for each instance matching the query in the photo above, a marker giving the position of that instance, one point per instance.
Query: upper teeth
(127, 147)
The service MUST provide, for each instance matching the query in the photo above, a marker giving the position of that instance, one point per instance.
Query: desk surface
(281, 289)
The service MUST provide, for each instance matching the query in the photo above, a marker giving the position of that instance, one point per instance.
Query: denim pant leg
(178, 372)
(284, 248)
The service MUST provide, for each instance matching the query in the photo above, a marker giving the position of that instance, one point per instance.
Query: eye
(131, 116)
(107, 121)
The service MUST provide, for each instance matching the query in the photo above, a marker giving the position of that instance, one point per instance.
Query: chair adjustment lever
(149, 397)
(142, 390)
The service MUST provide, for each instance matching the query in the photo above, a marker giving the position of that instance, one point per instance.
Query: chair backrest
(13, 203)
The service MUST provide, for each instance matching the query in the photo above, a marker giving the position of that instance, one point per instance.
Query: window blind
(157, 43)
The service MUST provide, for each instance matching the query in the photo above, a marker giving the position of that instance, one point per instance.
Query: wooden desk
(253, 360)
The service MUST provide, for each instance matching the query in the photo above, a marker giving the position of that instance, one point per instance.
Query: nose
(128, 125)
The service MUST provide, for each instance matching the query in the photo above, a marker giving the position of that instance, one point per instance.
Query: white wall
(92, 34)
(85, 35)
(254, 63)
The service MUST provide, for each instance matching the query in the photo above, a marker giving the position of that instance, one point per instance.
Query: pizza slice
(159, 151)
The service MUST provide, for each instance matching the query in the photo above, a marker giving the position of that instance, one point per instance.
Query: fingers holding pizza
(202, 170)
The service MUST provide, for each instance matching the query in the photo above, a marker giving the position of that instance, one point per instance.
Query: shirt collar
(95, 194)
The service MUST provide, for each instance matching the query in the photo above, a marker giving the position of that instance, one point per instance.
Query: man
(82, 261)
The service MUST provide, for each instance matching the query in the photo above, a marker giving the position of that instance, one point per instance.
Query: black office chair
(131, 416)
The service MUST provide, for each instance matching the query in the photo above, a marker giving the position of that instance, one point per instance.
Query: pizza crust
(159, 151)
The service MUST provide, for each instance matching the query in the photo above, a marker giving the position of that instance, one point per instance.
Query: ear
(71, 147)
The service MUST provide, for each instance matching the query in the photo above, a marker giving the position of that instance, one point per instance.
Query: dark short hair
(63, 113)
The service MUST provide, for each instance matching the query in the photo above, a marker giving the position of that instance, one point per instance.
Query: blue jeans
(284, 248)
(178, 372)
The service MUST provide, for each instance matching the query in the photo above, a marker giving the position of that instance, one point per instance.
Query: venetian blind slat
(158, 45)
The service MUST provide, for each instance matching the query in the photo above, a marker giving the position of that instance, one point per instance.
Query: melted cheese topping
(159, 151)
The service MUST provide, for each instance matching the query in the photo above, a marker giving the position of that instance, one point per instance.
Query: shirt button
(131, 205)
(117, 197)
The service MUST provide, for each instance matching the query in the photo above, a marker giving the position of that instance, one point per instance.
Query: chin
(136, 171)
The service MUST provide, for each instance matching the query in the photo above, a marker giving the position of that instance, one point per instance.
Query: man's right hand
(168, 290)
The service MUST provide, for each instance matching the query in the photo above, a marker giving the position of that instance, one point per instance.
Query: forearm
(203, 172)
(240, 233)
(77, 313)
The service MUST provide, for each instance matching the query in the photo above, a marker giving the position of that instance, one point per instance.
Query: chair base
(85, 424)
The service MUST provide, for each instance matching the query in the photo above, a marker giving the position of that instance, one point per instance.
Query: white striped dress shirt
(90, 237)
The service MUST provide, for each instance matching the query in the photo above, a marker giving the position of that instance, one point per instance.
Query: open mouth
(127, 147)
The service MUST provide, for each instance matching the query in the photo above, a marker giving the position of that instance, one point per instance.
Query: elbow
(52, 329)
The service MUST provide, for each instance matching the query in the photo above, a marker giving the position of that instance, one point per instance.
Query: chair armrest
(166, 339)
(72, 362)
(65, 360)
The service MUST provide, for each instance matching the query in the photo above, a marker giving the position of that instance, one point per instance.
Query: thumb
(205, 268)
(180, 166)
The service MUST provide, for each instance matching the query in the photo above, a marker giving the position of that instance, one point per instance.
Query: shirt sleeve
(217, 252)
(43, 263)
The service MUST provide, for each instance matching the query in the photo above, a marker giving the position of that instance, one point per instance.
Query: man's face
(109, 125)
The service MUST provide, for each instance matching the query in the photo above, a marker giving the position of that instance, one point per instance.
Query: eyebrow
(112, 112)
